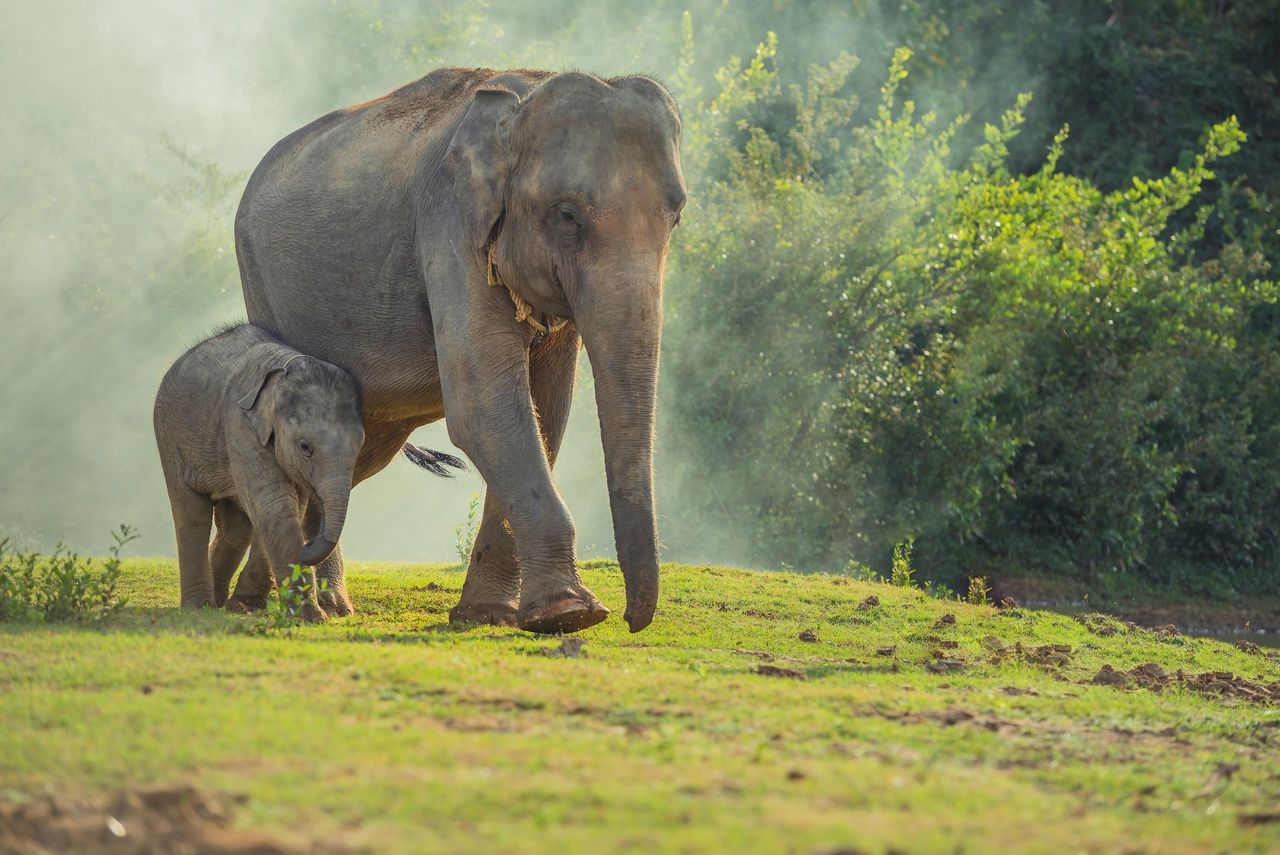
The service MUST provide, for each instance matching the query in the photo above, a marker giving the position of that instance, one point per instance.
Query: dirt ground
(180, 820)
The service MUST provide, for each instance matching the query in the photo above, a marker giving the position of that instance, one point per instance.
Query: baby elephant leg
(254, 585)
(192, 520)
(234, 535)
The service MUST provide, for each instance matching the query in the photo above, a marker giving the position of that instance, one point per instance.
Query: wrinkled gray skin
(250, 433)
(362, 238)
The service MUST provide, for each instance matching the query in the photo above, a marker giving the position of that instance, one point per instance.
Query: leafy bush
(62, 586)
(875, 338)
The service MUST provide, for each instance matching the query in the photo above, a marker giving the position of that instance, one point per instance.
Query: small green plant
(284, 611)
(859, 572)
(62, 586)
(979, 591)
(903, 574)
(464, 533)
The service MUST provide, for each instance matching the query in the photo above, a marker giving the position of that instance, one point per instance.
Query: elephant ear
(481, 163)
(260, 409)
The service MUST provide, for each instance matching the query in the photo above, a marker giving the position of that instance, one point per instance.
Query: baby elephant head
(311, 411)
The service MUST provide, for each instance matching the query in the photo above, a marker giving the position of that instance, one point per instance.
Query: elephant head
(309, 412)
(571, 193)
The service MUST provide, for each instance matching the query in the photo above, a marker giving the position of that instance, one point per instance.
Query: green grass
(394, 732)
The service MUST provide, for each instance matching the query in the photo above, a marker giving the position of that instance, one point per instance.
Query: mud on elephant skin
(250, 433)
(450, 244)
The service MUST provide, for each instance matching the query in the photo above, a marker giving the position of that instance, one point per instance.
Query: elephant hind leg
(235, 532)
(254, 585)
(192, 522)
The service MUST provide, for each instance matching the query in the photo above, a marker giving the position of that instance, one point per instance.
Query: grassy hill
(764, 712)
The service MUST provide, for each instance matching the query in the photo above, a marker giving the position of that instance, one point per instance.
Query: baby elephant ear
(480, 157)
(260, 409)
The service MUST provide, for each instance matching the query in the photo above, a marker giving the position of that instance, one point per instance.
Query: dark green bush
(875, 338)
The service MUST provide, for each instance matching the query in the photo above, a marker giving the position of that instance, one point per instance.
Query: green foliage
(900, 340)
(902, 570)
(284, 611)
(464, 533)
(979, 591)
(62, 586)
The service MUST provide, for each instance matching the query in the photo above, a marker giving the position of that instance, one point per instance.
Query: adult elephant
(447, 244)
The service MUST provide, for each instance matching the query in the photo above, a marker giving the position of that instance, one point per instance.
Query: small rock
(1007, 603)
(946, 620)
(1167, 630)
(886, 651)
(869, 603)
(809, 636)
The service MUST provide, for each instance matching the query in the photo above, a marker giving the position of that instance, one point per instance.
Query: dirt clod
(1225, 684)
(946, 620)
(1099, 624)
(995, 646)
(808, 635)
(777, 671)
(1167, 630)
(869, 603)
(1108, 676)
(138, 821)
(886, 651)
(1047, 655)
(944, 666)
(1249, 647)
(1006, 603)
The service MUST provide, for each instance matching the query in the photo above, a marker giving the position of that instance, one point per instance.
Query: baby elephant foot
(497, 614)
(568, 610)
(336, 603)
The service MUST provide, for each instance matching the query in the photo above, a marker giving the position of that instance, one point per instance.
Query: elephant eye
(306, 448)
(565, 219)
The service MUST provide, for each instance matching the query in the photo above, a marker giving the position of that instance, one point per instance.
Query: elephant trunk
(622, 332)
(333, 495)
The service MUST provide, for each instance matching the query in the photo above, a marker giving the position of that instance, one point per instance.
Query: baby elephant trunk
(333, 515)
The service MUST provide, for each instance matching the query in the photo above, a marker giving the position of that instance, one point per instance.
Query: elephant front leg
(278, 535)
(491, 592)
(489, 411)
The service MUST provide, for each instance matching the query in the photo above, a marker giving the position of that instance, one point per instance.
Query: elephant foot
(336, 603)
(312, 613)
(244, 605)
(571, 611)
(197, 603)
(497, 614)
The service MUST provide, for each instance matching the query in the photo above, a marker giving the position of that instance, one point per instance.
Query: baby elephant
(250, 431)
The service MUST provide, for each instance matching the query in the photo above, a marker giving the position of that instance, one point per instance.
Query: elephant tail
(434, 462)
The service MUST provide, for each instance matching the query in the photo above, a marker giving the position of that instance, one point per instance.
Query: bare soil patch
(180, 820)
